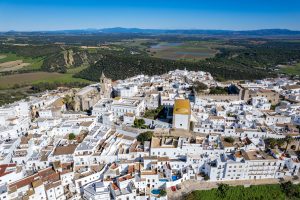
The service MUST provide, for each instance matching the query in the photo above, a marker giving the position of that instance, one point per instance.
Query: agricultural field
(13, 62)
(137, 44)
(291, 69)
(189, 51)
(18, 86)
(12, 65)
(10, 81)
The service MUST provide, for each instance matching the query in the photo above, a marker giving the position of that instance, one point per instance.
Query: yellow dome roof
(182, 106)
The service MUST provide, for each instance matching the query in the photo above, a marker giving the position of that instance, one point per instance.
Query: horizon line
(167, 29)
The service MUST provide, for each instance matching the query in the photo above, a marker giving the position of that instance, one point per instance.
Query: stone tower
(106, 87)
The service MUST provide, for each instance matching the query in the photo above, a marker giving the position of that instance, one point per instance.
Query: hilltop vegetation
(128, 55)
(284, 191)
(34, 62)
(124, 66)
(263, 54)
(32, 51)
(250, 60)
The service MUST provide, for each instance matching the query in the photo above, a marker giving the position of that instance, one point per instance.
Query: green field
(34, 63)
(138, 44)
(10, 81)
(25, 79)
(18, 86)
(190, 51)
(259, 192)
(291, 69)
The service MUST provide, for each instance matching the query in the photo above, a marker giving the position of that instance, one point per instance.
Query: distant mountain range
(201, 32)
(120, 30)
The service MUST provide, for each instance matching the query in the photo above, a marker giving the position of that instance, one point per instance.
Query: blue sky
(27, 15)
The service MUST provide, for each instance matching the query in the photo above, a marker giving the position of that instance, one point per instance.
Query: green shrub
(162, 193)
(139, 123)
(229, 139)
(259, 192)
(72, 136)
(146, 136)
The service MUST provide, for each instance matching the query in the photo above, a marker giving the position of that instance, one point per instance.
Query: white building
(182, 114)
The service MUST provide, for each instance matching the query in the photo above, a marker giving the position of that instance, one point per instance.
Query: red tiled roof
(126, 177)
(23, 182)
(4, 167)
(48, 175)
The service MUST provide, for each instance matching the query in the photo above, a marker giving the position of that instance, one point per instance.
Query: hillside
(121, 67)
(70, 58)
(251, 59)
(229, 59)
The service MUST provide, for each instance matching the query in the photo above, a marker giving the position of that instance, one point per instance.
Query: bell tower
(106, 87)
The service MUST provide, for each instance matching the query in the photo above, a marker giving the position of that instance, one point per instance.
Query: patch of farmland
(183, 51)
(9, 81)
(2, 56)
(12, 65)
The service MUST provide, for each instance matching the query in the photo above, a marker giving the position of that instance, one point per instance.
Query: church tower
(106, 87)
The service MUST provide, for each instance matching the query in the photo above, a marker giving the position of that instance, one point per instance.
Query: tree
(199, 86)
(146, 136)
(222, 190)
(229, 139)
(206, 177)
(290, 190)
(139, 123)
(218, 90)
(271, 142)
(280, 142)
(72, 136)
(153, 113)
(288, 139)
(162, 193)
(69, 102)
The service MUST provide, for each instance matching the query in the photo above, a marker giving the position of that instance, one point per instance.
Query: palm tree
(288, 139)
